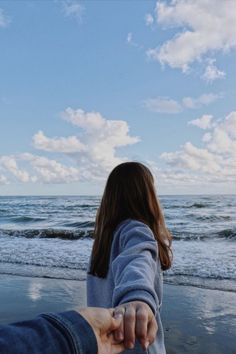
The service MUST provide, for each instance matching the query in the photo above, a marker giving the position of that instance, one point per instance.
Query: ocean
(51, 237)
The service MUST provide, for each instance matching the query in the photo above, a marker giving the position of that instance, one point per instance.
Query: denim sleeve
(135, 267)
(63, 333)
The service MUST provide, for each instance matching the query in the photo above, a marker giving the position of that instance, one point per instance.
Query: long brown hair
(129, 194)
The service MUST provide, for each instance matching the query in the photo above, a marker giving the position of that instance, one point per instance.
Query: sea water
(51, 236)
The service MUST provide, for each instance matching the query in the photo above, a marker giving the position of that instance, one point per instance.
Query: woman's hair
(129, 194)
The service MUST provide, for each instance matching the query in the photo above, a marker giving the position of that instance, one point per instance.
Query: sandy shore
(196, 321)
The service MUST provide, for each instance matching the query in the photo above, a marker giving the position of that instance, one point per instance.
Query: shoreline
(195, 320)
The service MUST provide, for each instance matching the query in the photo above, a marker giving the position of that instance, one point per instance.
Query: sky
(86, 85)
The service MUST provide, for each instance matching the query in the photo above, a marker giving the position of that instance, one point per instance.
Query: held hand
(104, 325)
(139, 323)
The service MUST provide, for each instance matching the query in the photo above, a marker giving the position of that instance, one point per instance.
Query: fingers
(152, 330)
(141, 327)
(117, 323)
(146, 326)
(138, 323)
(119, 333)
(129, 326)
(118, 348)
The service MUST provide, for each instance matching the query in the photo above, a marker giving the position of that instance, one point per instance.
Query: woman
(131, 247)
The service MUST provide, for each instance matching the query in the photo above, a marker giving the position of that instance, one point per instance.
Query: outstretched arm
(134, 272)
(66, 333)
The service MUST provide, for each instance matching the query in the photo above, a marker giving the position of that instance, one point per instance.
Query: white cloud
(96, 154)
(206, 27)
(223, 136)
(162, 105)
(50, 171)
(149, 20)
(192, 158)
(206, 137)
(65, 145)
(73, 8)
(175, 179)
(168, 105)
(216, 161)
(212, 73)
(113, 132)
(3, 179)
(89, 158)
(10, 165)
(200, 101)
(4, 19)
(204, 122)
(101, 137)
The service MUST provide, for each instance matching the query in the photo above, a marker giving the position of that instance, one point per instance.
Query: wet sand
(196, 321)
(199, 321)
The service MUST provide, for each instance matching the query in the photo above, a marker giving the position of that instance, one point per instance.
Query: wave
(228, 234)
(76, 224)
(25, 219)
(80, 206)
(199, 205)
(48, 233)
(187, 206)
(208, 218)
(221, 284)
(80, 230)
(79, 277)
(211, 217)
(81, 266)
(200, 276)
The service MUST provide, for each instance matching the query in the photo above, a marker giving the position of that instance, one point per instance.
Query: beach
(195, 320)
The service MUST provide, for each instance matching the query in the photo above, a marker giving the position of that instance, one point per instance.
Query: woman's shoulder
(129, 224)
(136, 237)
(133, 231)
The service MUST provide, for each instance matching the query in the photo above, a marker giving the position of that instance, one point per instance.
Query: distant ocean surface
(51, 237)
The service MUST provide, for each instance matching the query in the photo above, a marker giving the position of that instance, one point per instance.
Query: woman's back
(134, 273)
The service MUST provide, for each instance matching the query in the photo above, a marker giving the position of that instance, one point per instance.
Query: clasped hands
(117, 329)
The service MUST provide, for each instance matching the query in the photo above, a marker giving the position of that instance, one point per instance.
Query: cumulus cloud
(88, 158)
(10, 165)
(4, 19)
(193, 158)
(205, 122)
(49, 170)
(168, 105)
(3, 179)
(73, 8)
(101, 137)
(216, 161)
(65, 145)
(112, 132)
(223, 137)
(177, 178)
(204, 29)
(212, 73)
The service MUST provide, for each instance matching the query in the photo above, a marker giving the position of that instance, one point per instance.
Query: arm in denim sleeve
(135, 267)
(63, 333)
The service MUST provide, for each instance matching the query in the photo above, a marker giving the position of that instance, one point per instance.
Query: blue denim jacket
(63, 333)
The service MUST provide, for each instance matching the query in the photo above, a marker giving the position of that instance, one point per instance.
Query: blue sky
(85, 85)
